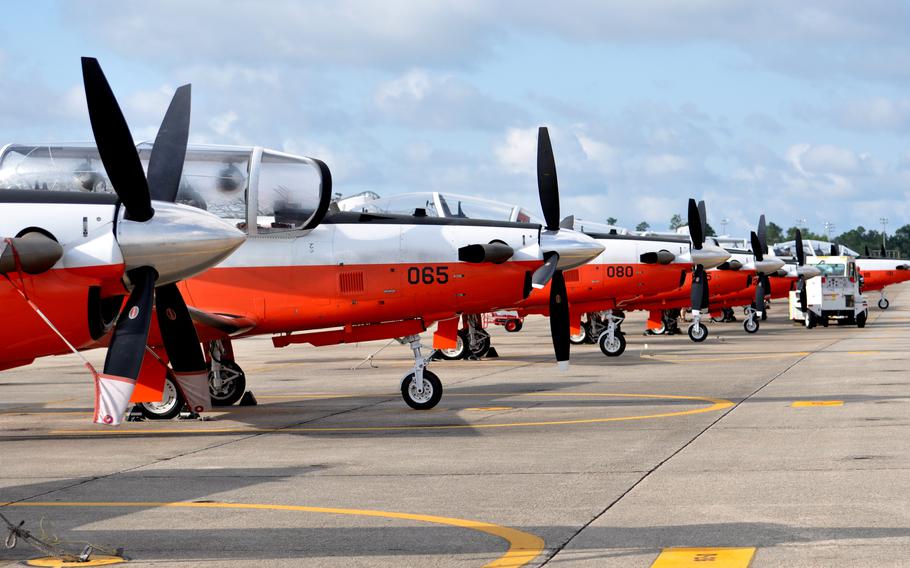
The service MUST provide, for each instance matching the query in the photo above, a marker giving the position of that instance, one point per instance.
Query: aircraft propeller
(146, 267)
(699, 292)
(548, 189)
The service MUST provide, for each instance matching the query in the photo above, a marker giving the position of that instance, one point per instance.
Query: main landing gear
(227, 384)
(421, 389)
(227, 381)
(473, 342)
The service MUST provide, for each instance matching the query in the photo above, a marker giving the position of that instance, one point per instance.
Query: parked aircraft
(308, 273)
(72, 254)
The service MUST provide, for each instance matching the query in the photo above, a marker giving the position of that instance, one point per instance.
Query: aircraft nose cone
(573, 248)
(178, 241)
(709, 256)
(769, 265)
(808, 271)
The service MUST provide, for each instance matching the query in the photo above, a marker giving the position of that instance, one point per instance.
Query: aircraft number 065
(620, 271)
(428, 275)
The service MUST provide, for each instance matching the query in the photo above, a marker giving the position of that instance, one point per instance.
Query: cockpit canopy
(436, 204)
(812, 248)
(290, 193)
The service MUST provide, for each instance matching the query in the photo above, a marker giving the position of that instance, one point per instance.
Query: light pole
(723, 226)
(884, 222)
(829, 228)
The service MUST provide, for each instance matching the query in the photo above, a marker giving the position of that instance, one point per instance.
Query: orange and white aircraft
(340, 276)
(71, 257)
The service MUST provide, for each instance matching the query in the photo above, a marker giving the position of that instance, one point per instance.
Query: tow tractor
(834, 294)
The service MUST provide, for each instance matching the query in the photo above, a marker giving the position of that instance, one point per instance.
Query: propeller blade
(695, 230)
(867, 252)
(115, 143)
(800, 252)
(114, 386)
(757, 248)
(699, 289)
(884, 252)
(835, 249)
(801, 288)
(169, 151)
(763, 234)
(705, 296)
(543, 274)
(559, 319)
(759, 296)
(183, 349)
(702, 213)
(547, 186)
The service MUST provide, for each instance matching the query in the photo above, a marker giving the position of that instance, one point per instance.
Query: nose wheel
(421, 397)
(697, 332)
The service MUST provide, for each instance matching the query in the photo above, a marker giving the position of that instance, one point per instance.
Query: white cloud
(518, 152)
(422, 100)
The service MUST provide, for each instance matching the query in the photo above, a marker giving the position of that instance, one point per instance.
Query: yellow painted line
(95, 560)
(806, 403)
(701, 557)
(523, 546)
(725, 359)
(715, 405)
(863, 352)
(490, 408)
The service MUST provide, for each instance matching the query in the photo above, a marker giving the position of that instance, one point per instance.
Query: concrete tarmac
(671, 445)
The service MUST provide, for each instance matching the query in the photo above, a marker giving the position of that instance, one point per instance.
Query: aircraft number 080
(620, 272)
(428, 275)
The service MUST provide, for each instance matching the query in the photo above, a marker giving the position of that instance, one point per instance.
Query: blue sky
(798, 110)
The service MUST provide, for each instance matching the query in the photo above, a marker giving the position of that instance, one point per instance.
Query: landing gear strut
(612, 340)
(421, 389)
(227, 381)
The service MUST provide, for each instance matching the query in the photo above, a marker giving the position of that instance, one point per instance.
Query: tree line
(858, 239)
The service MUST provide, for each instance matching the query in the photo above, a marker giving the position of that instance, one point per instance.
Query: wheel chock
(492, 353)
(247, 399)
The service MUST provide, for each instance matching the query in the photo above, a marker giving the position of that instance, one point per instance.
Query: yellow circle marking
(715, 404)
(95, 560)
(523, 546)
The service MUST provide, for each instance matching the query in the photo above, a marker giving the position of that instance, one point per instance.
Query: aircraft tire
(614, 348)
(426, 400)
(482, 347)
(513, 326)
(751, 325)
(581, 338)
(883, 304)
(457, 352)
(233, 385)
(698, 336)
(170, 406)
